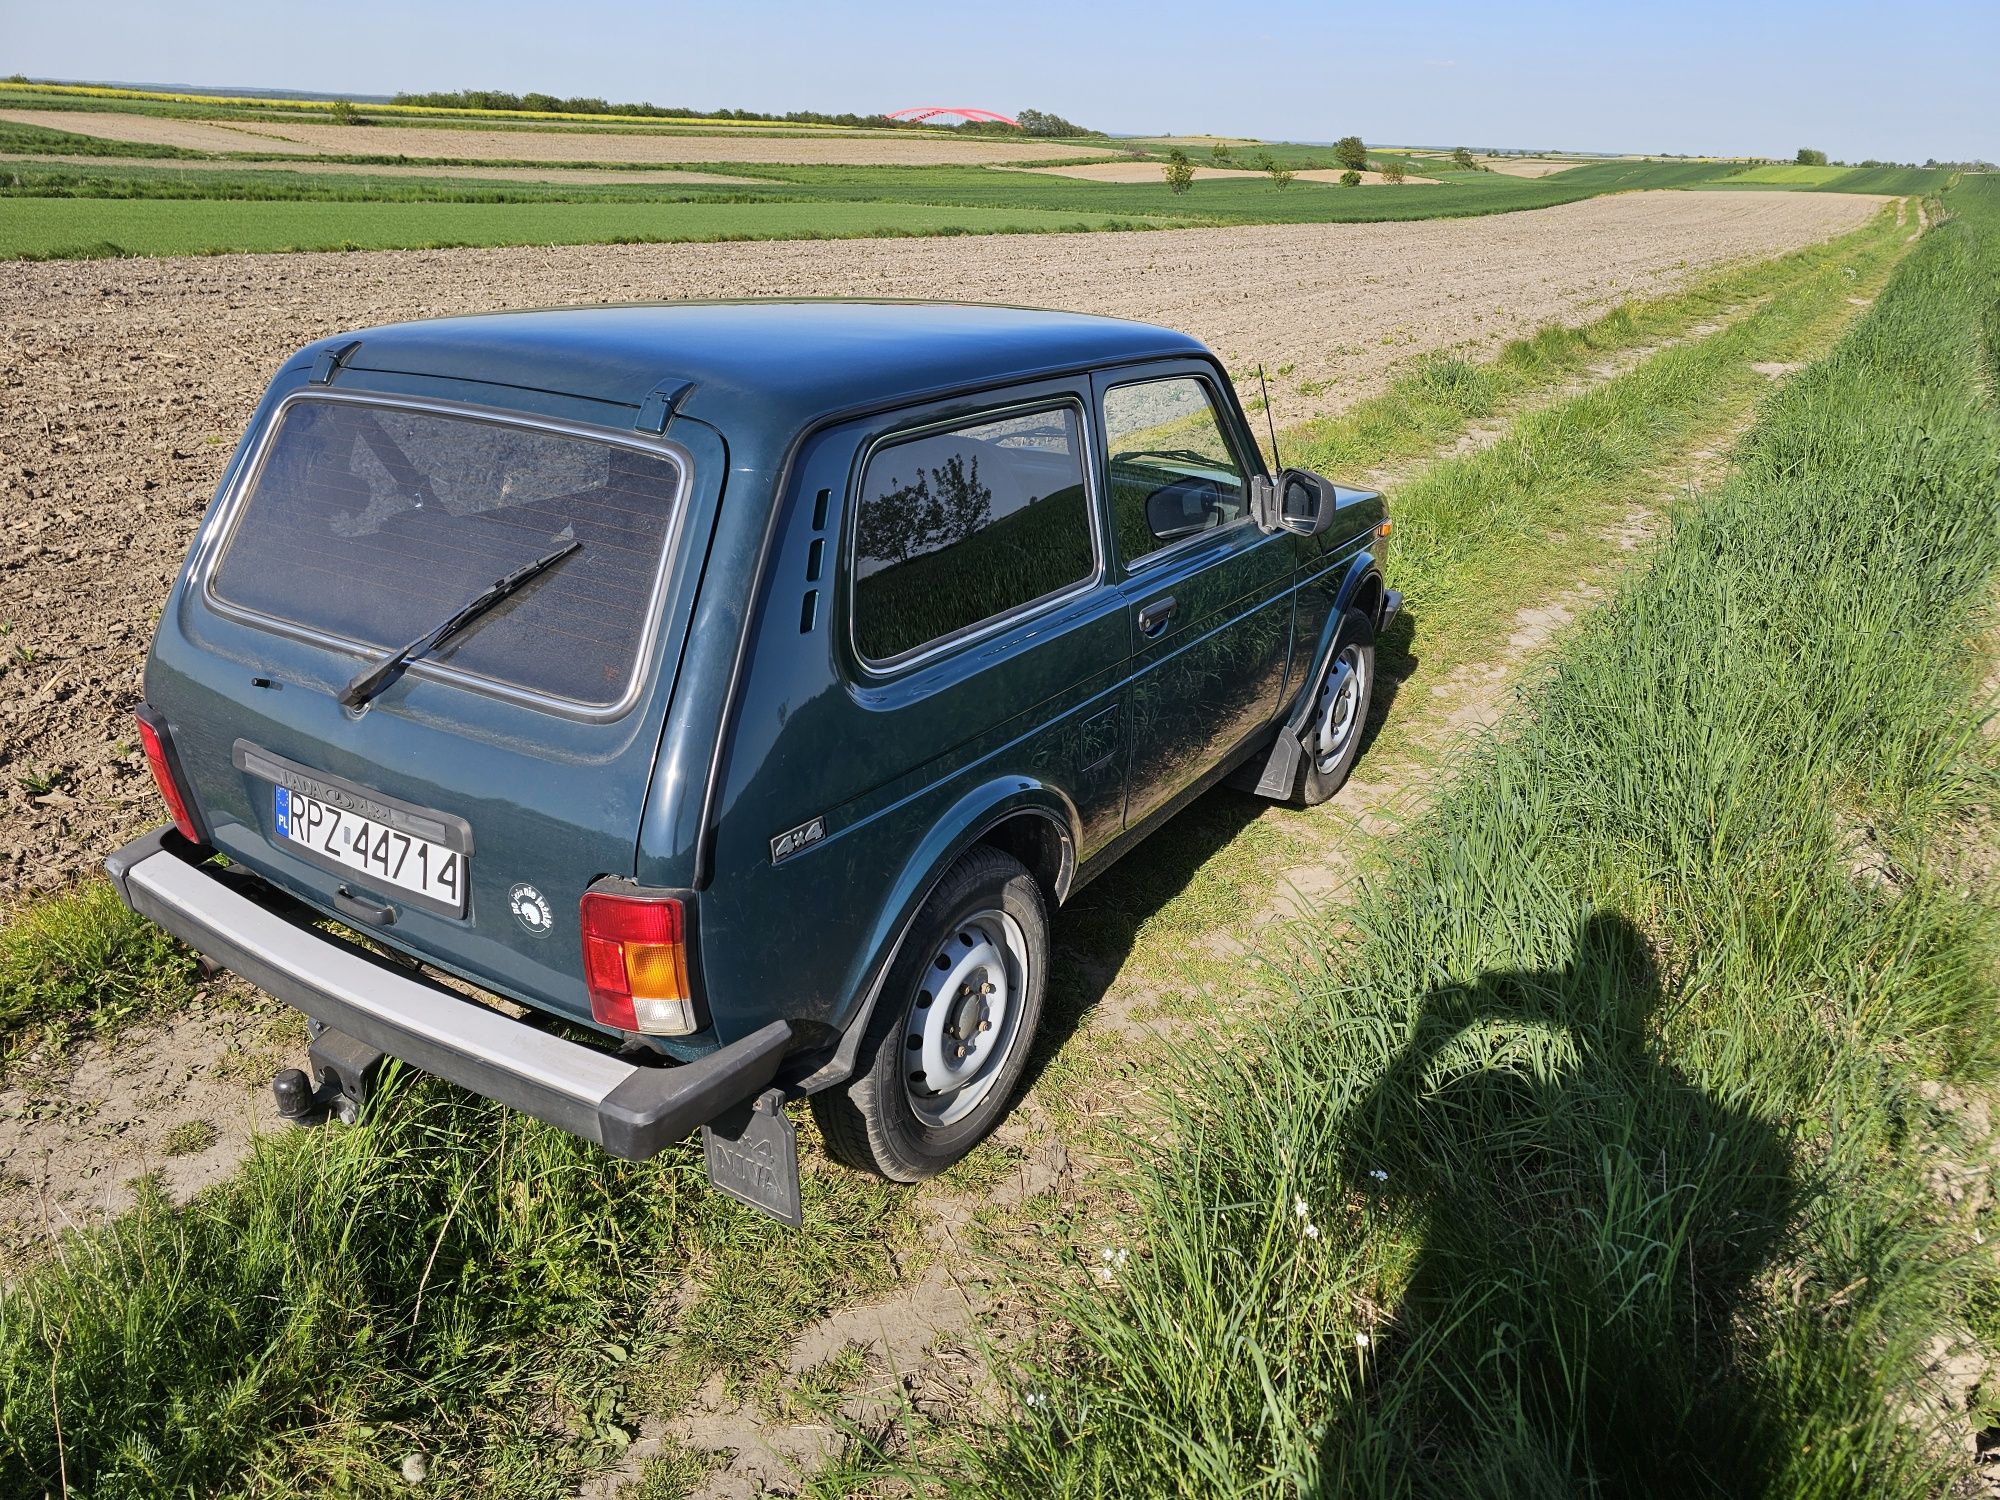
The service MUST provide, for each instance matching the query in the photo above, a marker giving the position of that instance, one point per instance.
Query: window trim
(882, 667)
(217, 536)
(1137, 565)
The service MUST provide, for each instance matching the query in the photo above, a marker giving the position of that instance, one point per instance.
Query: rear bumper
(630, 1110)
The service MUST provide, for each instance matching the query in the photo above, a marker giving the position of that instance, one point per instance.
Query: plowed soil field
(126, 382)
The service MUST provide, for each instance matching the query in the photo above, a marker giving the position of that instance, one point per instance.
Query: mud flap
(753, 1156)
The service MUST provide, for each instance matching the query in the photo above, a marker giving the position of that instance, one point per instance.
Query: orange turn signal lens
(1383, 529)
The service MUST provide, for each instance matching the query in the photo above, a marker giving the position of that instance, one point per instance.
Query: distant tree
(1393, 170)
(1042, 122)
(1178, 171)
(1462, 159)
(1350, 178)
(1220, 151)
(1280, 176)
(1808, 157)
(1350, 153)
(344, 112)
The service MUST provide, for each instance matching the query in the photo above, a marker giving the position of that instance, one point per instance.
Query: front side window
(957, 527)
(372, 523)
(1173, 474)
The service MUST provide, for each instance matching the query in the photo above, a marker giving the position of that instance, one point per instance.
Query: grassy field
(76, 227)
(1600, 1151)
(111, 202)
(451, 1280)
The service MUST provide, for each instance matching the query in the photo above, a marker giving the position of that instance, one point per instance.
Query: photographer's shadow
(1588, 1222)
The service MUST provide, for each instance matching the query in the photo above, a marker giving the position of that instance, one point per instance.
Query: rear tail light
(635, 963)
(153, 738)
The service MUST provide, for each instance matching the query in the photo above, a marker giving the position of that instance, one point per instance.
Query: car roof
(789, 360)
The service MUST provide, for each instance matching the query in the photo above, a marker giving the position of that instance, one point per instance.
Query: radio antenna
(1269, 424)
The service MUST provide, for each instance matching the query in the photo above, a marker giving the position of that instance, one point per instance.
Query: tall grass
(447, 1278)
(1594, 1161)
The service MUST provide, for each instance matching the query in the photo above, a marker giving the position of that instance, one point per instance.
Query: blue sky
(1901, 82)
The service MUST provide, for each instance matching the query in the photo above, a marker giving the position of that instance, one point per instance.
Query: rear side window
(957, 527)
(372, 523)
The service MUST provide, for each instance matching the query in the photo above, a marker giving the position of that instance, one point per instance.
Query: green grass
(1610, 1115)
(66, 228)
(77, 963)
(447, 1278)
(37, 139)
(1787, 175)
(73, 211)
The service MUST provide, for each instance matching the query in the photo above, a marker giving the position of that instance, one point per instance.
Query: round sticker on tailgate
(531, 909)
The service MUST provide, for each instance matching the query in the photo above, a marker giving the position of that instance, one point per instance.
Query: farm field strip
(73, 227)
(1100, 930)
(550, 144)
(96, 169)
(113, 461)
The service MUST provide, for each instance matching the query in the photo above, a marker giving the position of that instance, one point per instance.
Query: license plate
(386, 856)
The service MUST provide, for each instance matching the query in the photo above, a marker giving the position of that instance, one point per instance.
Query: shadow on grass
(1560, 1181)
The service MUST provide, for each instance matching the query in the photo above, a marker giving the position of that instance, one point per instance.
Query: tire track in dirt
(127, 383)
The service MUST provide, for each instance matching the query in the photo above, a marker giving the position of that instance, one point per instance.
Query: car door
(1209, 594)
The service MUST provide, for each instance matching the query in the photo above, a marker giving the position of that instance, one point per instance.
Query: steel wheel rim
(961, 1025)
(1338, 718)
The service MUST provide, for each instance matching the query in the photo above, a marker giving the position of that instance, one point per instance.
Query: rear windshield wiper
(370, 682)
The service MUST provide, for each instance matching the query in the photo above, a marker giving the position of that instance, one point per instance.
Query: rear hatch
(461, 812)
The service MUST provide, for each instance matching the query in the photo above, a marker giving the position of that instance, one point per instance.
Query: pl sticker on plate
(531, 909)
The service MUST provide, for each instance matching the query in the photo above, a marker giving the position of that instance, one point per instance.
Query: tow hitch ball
(343, 1075)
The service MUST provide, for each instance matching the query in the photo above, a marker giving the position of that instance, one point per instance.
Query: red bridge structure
(957, 112)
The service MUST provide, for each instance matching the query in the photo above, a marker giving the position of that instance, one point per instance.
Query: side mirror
(1297, 501)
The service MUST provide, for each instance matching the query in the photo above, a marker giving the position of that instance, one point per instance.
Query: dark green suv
(741, 684)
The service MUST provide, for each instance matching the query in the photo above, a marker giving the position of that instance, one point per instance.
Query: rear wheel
(949, 1038)
(1340, 711)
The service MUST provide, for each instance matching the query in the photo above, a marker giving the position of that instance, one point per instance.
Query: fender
(1277, 773)
(963, 825)
(1364, 567)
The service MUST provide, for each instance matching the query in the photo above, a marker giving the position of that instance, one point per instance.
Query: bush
(1350, 178)
(1179, 171)
(1461, 158)
(1350, 153)
(1393, 170)
(344, 112)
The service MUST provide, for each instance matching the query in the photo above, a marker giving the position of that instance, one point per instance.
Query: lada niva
(647, 716)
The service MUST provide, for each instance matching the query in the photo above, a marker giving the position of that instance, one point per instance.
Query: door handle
(1154, 617)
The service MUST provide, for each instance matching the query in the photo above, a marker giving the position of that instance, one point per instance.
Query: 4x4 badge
(785, 845)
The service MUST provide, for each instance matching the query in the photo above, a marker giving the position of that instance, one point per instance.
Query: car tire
(1334, 729)
(924, 1093)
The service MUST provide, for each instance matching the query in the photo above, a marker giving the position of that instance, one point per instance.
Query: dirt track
(550, 144)
(128, 381)
(588, 176)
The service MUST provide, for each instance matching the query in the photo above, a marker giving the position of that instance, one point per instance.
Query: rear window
(373, 523)
(958, 527)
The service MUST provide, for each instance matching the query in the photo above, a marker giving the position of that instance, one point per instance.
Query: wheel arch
(1031, 820)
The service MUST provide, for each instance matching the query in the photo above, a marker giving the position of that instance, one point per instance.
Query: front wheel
(1340, 711)
(949, 1039)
